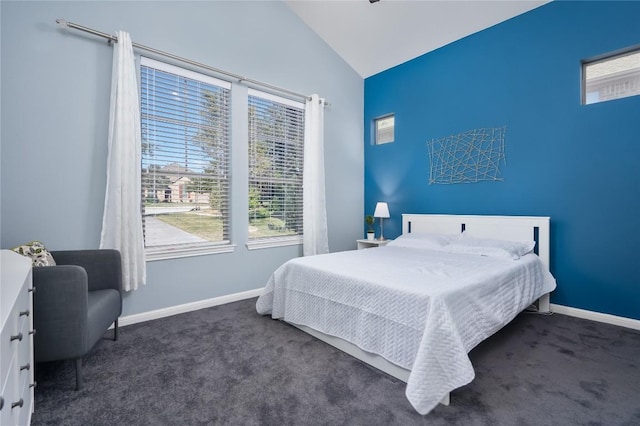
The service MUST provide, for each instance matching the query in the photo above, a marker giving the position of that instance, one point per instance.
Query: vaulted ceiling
(373, 37)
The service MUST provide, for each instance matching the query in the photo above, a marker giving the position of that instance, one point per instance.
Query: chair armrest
(104, 266)
(59, 311)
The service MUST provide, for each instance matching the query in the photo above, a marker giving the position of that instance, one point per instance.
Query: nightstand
(363, 244)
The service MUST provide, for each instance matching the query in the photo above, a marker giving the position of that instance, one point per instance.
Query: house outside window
(613, 77)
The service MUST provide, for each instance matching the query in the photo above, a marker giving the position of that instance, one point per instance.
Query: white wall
(54, 113)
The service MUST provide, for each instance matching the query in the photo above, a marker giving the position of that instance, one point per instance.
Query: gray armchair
(74, 304)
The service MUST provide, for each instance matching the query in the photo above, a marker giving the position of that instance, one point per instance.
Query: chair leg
(115, 330)
(78, 373)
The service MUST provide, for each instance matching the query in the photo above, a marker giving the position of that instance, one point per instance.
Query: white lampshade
(382, 210)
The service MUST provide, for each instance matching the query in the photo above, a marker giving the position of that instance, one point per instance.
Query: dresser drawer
(22, 308)
(20, 415)
(23, 357)
(7, 346)
(10, 394)
(23, 415)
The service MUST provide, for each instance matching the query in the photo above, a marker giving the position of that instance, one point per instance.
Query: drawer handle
(24, 313)
(33, 385)
(19, 403)
(27, 366)
(32, 290)
(32, 332)
(17, 337)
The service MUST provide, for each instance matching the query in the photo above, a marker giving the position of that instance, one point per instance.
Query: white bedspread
(420, 309)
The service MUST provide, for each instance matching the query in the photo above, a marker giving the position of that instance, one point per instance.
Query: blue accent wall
(577, 164)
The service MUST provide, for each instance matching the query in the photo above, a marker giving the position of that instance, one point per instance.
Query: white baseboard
(596, 316)
(187, 307)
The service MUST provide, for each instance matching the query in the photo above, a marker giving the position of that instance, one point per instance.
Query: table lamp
(382, 211)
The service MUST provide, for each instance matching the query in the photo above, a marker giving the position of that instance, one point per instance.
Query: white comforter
(420, 309)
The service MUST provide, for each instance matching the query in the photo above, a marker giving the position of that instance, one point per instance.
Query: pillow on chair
(37, 252)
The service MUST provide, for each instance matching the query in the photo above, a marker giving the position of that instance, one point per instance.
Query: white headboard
(516, 228)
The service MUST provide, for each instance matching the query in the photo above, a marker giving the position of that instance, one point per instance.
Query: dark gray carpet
(229, 366)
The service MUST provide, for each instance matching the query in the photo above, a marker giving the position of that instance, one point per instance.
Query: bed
(416, 307)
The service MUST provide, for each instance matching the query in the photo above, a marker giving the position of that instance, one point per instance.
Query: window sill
(264, 243)
(153, 254)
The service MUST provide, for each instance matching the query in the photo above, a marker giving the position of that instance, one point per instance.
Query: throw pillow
(39, 255)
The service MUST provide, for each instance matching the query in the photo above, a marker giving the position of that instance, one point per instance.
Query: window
(614, 77)
(384, 129)
(185, 161)
(276, 153)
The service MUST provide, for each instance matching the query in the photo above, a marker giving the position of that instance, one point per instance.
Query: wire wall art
(469, 157)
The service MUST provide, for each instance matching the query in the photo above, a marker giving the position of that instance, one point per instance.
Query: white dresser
(16, 339)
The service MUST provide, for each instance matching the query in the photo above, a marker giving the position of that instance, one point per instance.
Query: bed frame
(517, 228)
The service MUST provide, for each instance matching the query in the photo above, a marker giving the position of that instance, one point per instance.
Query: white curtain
(314, 207)
(122, 219)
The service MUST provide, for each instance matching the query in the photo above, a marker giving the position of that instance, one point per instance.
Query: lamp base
(381, 230)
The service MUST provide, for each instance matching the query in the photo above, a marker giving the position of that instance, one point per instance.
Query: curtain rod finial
(62, 22)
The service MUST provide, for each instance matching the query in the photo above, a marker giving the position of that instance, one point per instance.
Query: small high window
(385, 129)
(614, 77)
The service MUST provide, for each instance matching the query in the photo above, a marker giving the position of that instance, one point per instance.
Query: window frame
(376, 135)
(254, 243)
(179, 250)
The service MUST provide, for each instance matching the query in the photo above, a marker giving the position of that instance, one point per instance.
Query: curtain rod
(111, 38)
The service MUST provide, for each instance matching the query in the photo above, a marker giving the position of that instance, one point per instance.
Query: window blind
(276, 154)
(185, 158)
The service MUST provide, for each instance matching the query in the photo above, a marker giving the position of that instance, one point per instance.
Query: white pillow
(423, 240)
(489, 247)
